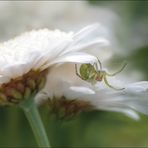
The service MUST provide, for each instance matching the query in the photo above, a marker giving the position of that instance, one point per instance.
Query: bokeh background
(126, 22)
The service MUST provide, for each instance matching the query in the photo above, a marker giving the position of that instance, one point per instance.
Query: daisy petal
(133, 97)
(88, 36)
(138, 87)
(91, 44)
(76, 57)
(15, 70)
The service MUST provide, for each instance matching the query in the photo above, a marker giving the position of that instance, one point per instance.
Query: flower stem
(31, 111)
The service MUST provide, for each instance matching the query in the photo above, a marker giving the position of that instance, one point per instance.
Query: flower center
(66, 109)
(22, 87)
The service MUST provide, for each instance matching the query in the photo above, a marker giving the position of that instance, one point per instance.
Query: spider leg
(107, 83)
(113, 74)
(78, 73)
(100, 64)
(96, 66)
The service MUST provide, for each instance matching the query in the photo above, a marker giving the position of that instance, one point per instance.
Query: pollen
(22, 87)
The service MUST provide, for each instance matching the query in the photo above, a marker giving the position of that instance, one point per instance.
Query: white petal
(15, 70)
(129, 112)
(90, 44)
(134, 97)
(82, 89)
(138, 87)
(86, 31)
(88, 37)
(76, 57)
(50, 55)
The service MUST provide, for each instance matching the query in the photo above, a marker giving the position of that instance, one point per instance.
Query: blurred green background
(128, 22)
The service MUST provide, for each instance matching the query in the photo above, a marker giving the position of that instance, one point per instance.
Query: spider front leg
(111, 75)
(100, 65)
(109, 85)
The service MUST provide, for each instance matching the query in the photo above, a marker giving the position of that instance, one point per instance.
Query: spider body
(92, 74)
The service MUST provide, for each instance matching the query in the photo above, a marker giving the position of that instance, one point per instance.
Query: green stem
(31, 111)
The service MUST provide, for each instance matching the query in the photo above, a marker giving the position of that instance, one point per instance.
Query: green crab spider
(92, 74)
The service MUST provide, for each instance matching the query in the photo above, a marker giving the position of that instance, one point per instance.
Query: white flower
(63, 82)
(33, 52)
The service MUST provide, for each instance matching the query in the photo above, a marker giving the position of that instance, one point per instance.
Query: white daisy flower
(25, 60)
(68, 94)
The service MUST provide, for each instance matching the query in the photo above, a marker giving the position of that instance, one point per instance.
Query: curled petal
(76, 57)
